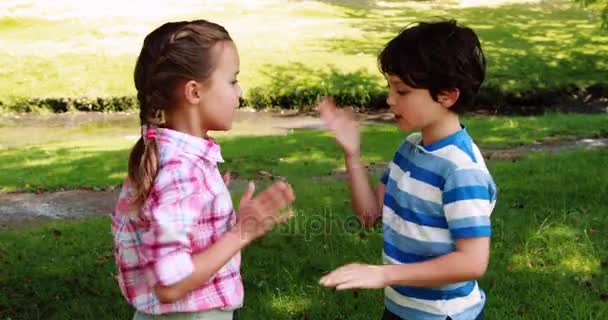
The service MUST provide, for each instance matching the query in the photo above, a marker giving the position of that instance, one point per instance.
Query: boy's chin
(405, 126)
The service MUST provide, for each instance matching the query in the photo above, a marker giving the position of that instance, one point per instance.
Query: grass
(95, 155)
(549, 253)
(91, 52)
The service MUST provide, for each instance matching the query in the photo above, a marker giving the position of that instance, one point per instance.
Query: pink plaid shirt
(188, 209)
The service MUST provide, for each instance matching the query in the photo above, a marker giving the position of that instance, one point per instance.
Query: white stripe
(386, 259)
(480, 160)
(414, 138)
(414, 187)
(413, 230)
(450, 307)
(455, 155)
(468, 208)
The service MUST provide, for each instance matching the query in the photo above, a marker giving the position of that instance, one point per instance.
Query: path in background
(22, 209)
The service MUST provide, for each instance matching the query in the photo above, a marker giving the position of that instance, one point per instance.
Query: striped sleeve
(385, 175)
(469, 196)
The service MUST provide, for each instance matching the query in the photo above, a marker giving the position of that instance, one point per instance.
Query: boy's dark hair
(437, 56)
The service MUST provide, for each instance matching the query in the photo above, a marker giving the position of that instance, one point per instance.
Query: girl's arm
(206, 264)
(256, 216)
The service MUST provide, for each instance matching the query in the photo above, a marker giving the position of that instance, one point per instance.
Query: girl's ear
(192, 92)
(448, 98)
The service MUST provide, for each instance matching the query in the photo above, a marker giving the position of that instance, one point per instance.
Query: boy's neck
(446, 126)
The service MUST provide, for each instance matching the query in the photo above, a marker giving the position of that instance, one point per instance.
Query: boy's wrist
(394, 274)
(352, 158)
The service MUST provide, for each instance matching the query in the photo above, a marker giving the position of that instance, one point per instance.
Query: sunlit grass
(548, 256)
(64, 54)
(95, 155)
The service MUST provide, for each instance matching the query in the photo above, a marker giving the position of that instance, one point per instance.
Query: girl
(177, 239)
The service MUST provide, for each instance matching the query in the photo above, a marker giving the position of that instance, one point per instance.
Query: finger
(334, 277)
(352, 284)
(284, 217)
(248, 195)
(227, 178)
(327, 110)
(275, 196)
(287, 194)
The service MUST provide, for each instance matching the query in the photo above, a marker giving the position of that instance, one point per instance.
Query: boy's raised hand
(342, 123)
(257, 215)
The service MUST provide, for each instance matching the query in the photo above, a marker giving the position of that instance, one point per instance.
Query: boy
(436, 196)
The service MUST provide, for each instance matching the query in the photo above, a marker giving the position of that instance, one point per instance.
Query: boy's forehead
(393, 78)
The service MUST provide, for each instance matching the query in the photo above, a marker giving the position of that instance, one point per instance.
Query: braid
(173, 52)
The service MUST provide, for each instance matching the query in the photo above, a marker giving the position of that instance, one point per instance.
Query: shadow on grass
(549, 254)
(527, 47)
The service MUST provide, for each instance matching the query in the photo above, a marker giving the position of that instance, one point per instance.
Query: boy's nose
(390, 101)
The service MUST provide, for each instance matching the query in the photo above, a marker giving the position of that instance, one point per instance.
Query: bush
(298, 87)
(106, 104)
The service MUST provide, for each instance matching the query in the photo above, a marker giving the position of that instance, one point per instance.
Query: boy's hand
(256, 216)
(342, 123)
(355, 275)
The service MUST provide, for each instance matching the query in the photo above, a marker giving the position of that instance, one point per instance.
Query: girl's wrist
(240, 233)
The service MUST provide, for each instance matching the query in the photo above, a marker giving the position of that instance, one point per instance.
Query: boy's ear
(192, 93)
(447, 98)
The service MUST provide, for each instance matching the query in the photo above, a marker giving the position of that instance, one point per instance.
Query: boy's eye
(401, 92)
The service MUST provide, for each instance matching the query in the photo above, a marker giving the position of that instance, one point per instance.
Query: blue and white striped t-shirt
(435, 194)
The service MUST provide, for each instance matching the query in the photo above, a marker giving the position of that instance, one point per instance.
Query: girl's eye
(234, 82)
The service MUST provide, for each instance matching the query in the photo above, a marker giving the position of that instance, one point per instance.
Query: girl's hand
(342, 123)
(355, 275)
(227, 178)
(256, 216)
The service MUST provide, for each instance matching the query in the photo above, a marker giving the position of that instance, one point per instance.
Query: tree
(600, 6)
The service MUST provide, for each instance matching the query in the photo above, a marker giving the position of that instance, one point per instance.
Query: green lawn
(549, 256)
(55, 51)
(95, 155)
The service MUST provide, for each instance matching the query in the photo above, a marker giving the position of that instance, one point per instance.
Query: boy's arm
(468, 200)
(468, 262)
(343, 124)
(366, 202)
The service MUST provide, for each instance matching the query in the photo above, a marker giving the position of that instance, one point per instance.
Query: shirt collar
(205, 148)
(454, 138)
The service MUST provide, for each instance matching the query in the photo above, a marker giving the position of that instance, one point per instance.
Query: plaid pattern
(188, 209)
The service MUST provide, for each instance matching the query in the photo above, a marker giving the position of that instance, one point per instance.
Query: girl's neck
(440, 129)
(186, 122)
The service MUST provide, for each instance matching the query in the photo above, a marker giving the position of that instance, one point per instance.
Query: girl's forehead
(228, 56)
